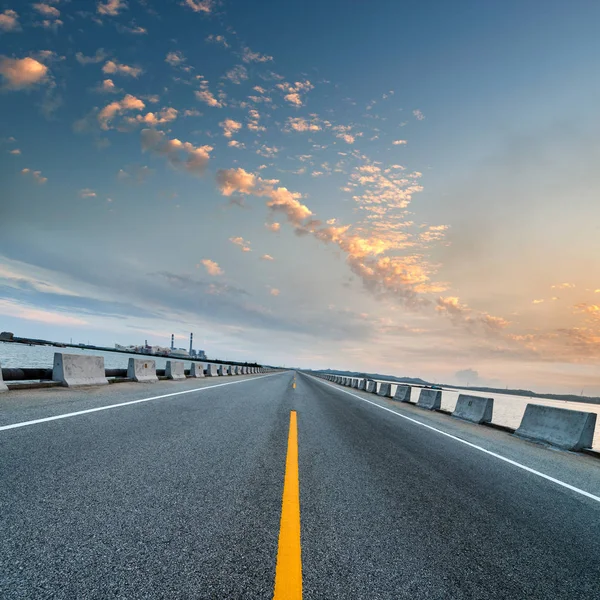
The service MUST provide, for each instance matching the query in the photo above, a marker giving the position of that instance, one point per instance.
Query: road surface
(180, 496)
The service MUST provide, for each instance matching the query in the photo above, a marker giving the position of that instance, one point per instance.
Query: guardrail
(567, 429)
(75, 370)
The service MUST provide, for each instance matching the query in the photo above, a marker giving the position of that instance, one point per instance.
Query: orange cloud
(195, 157)
(242, 243)
(212, 267)
(113, 67)
(20, 73)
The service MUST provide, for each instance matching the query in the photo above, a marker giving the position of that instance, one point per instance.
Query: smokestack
(191, 342)
(172, 341)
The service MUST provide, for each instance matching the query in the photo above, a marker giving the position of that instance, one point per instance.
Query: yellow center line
(288, 573)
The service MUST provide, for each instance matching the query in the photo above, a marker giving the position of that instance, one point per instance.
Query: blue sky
(403, 187)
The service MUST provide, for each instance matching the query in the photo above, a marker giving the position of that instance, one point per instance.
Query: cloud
(302, 125)
(235, 144)
(113, 67)
(274, 291)
(87, 193)
(537, 301)
(205, 6)
(212, 268)
(181, 155)
(248, 56)
(111, 7)
(20, 73)
(15, 151)
(418, 114)
(467, 377)
(16, 309)
(175, 58)
(166, 115)
(242, 243)
(47, 10)
(399, 142)
(273, 226)
(37, 176)
(208, 98)
(230, 127)
(9, 21)
(266, 257)
(461, 314)
(292, 91)
(107, 86)
(90, 60)
(133, 29)
(217, 39)
(237, 74)
(118, 107)
(563, 286)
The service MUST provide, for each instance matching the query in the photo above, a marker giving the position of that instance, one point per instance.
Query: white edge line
(471, 445)
(129, 403)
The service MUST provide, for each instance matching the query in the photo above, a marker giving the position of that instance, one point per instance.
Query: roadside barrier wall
(474, 408)
(197, 370)
(402, 393)
(175, 369)
(430, 399)
(77, 369)
(385, 389)
(142, 370)
(567, 429)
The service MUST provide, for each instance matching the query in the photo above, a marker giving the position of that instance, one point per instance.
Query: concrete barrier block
(175, 369)
(142, 370)
(402, 393)
(78, 369)
(371, 387)
(244, 370)
(385, 389)
(237, 370)
(197, 370)
(220, 371)
(3, 386)
(474, 408)
(362, 384)
(430, 399)
(211, 370)
(355, 383)
(229, 370)
(567, 429)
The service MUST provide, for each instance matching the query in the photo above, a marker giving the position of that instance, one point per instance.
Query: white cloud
(242, 243)
(302, 125)
(182, 155)
(207, 97)
(47, 10)
(212, 267)
(113, 67)
(418, 114)
(87, 60)
(248, 56)
(87, 193)
(217, 39)
(20, 73)
(292, 91)
(237, 74)
(166, 115)
(175, 58)
(111, 7)
(266, 257)
(204, 6)
(118, 107)
(399, 142)
(230, 127)
(9, 21)
(274, 292)
(37, 176)
(273, 226)
(236, 144)
(15, 151)
(107, 86)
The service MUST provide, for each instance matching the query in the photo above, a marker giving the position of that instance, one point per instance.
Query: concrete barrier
(567, 429)
(142, 370)
(3, 386)
(220, 371)
(237, 370)
(430, 399)
(385, 389)
(197, 370)
(371, 387)
(355, 383)
(211, 370)
(78, 369)
(402, 393)
(474, 408)
(175, 369)
(362, 384)
(229, 370)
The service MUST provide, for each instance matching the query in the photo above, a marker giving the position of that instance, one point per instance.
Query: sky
(409, 188)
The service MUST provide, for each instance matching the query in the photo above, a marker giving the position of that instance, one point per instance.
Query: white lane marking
(129, 403)
(471, 445)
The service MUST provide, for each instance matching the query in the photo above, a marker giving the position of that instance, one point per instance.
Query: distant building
(201, 354)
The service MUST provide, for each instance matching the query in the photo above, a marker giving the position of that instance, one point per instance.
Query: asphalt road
(181, 497)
